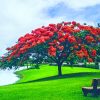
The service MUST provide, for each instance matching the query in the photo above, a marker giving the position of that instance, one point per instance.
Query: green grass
(44, 84)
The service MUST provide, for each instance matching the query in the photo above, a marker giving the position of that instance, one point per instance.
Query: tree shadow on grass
(56, 77)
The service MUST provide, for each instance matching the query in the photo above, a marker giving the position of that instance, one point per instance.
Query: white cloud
(18, 17)
(78, 4)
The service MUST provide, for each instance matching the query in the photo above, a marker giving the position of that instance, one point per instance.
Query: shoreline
(8, 77)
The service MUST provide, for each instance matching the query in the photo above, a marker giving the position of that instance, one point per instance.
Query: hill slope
(44, 84)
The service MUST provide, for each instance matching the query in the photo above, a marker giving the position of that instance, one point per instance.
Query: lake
(8, 76)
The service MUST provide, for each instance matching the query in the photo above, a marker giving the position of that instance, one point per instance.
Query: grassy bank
(44, 84)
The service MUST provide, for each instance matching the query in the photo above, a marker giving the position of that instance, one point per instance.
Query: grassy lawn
(43, 84)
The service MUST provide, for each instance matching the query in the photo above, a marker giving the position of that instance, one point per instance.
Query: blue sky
(17, 17)
(91, 13)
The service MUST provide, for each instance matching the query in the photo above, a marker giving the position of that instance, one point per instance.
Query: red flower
(59, 25)
(8, 49)
(52, 51)
(76, 46)
(61, 40)
(60, 34)
(50, 34)
(93, 53)
(80, 54)
(90, 60)
(89, 39)
(73, 22)
(66, 35)
(71, 39)
(76, 30)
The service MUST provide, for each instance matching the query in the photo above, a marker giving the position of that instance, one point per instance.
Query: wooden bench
(94, 89)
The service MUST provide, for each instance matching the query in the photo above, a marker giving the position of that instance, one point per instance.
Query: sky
(18, 17)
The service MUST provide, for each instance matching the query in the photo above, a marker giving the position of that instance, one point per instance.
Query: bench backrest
(98, 82)
(95, 83)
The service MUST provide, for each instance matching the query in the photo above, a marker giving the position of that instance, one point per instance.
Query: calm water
(8, 76)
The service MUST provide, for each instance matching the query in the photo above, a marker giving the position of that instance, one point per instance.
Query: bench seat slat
(90, 87)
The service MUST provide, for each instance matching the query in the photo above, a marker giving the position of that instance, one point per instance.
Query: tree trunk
(59, 70)
(27, 65)
(96, 65)
(85, 64)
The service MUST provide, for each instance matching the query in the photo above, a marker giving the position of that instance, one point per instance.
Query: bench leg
(95, 93)
(84, 92)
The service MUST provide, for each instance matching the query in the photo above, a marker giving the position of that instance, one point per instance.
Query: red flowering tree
(58, 42)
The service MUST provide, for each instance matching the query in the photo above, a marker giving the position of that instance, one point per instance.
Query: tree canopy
(58, 42)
